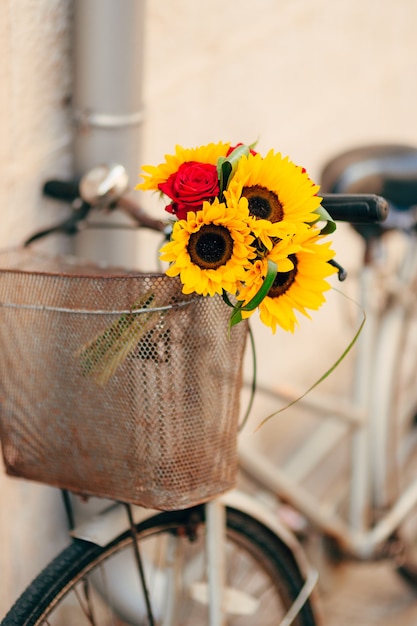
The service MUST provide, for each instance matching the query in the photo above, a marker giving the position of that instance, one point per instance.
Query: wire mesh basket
(116, 384)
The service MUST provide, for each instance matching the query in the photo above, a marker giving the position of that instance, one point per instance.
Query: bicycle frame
(374, 512)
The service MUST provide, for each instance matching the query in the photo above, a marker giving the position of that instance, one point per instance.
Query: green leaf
(226, 166)
(226, 299)
(324, 216)
(266, 286)
(220, 162)
(236, 315)
(225, 173)
(235, 156)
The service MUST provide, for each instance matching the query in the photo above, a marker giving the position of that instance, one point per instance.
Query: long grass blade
(101, 357)
(326, 374)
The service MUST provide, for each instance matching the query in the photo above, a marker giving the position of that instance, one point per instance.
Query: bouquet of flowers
(247, 226)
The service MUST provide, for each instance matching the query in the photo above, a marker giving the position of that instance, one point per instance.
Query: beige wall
(35, 129)
(307, 77)
(35, 143)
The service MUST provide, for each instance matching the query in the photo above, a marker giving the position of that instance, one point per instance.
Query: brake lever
(69, 226)
(102, 185)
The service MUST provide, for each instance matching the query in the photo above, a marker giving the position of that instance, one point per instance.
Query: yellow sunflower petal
(276, 189)
(209, 250)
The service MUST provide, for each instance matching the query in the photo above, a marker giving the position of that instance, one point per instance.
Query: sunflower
(210, 250)
(268, 233)
(276, 189)
(299, 284)
(155, 175)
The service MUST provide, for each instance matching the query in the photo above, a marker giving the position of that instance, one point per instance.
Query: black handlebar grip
(356, 208)
(62, 190)
(353, 208)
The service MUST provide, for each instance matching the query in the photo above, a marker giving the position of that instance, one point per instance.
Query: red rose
(189, 186)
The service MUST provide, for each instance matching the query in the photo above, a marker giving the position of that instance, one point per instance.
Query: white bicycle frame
(373, 513)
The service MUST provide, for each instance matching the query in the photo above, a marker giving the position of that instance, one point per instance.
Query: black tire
(258, 560)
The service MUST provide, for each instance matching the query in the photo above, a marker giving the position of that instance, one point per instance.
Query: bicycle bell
(104, 183)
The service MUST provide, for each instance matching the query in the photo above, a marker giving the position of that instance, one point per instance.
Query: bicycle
(364, 506)
(175, 562)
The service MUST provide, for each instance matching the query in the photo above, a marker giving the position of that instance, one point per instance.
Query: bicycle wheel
(405, 441)
(100, 585)
(394, 434)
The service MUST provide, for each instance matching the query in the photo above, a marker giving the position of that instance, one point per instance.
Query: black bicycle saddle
(388, 170)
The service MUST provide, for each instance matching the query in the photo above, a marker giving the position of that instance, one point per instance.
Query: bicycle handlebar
(62, 190)
(353, 208)
(356, 208)
(106, 185)
(69, 191)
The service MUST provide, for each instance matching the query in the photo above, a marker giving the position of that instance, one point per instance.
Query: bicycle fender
(251, 506)
(108, 524)
(241, 501)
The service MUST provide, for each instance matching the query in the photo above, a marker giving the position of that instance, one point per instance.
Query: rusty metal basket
(156, 427)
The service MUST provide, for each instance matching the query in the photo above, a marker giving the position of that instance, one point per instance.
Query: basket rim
(120, 273)
(56, 309)
(108, 274)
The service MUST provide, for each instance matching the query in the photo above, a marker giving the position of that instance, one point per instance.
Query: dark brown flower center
(283, 280)
(263, 203)
(211, 246)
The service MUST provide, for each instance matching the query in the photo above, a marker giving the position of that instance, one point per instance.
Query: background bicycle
(346, 459)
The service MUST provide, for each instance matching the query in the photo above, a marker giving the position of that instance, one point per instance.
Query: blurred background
(308, 78)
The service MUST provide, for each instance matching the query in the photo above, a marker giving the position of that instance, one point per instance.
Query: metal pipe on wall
(107, 104)
(107, 99)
